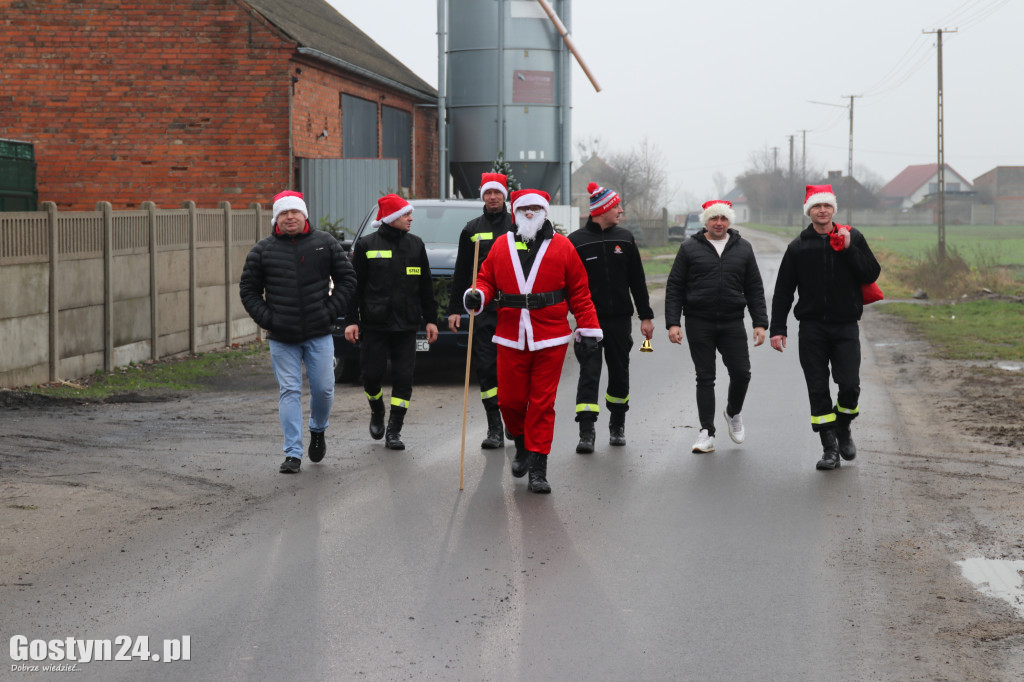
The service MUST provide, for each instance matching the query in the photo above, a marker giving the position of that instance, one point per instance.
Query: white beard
(529, 227)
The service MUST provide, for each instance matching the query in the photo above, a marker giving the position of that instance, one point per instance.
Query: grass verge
(986, 329)
(184, 373)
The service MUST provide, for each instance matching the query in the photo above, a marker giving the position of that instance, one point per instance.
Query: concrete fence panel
(90, 290)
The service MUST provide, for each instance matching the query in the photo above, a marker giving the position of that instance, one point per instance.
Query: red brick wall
(316, 107)
(129, 101)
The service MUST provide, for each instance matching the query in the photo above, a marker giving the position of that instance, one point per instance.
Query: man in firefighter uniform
(614, 270)
(485, 229)
(394, 296)
(536, 278)
(827, 264)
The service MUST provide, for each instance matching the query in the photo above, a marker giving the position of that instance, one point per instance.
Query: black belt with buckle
(530, 301)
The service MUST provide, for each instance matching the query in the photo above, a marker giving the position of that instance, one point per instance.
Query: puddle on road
(997, 578)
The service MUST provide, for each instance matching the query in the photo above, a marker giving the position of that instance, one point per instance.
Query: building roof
(323, 33)
(912, 178)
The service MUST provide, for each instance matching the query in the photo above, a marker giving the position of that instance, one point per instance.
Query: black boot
(830, 450)
(617, 430)
(538, 474)
(847, 449)
(494, 438)
(587, 436)
(376, 419)
(522, 459)
(393, 436)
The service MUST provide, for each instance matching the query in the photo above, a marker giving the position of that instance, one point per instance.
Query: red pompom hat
(601, 200)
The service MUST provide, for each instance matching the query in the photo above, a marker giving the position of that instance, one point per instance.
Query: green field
(960, 319)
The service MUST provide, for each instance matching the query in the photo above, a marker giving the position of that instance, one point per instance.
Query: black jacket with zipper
(614, 270)
(486, 229)
(704, 285)
(285, 284)
(394, 290)
(828, 281)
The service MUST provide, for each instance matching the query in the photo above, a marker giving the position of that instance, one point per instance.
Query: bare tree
(642, 180)
(721, 184)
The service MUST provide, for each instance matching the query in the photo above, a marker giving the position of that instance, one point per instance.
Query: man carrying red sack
(537, 279)
(828, 264)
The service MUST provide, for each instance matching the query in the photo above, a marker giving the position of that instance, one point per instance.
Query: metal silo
(507, 74)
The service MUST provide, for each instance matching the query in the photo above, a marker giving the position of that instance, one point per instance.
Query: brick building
(129, 101)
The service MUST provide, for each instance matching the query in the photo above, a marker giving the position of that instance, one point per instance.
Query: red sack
(871, 293)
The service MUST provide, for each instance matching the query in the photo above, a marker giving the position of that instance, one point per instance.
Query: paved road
(647, 562)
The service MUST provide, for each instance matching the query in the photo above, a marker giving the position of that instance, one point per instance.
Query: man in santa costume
(536, 278)
(827, 265)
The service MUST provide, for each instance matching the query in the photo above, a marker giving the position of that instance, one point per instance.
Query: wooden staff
(469, 358)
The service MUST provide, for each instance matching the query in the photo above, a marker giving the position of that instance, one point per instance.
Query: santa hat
(288, 201)
(530, 197)
(819, 194)
(391, 207)
(601, 200)
(493, 181)
(716, 207)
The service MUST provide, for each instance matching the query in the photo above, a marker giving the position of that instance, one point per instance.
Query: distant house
(849, 192)
(913, 185)
(204, 101)
(740, 205)
(1003, 187)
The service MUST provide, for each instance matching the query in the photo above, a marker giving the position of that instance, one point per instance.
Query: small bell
(645, 347)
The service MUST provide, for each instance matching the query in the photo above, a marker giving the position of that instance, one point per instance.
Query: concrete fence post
(108, 284)
(193, 228)
(154, 290)
(228, 331)
(54, 340)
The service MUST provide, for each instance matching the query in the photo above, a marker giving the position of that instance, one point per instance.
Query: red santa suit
(532, 340)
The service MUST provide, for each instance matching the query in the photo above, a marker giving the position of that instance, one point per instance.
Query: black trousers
(705, 338)
(485, 357)
(836, 344)
(375, 347)
(617, 342)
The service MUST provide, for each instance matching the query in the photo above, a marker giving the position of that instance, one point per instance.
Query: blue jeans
(287, 358)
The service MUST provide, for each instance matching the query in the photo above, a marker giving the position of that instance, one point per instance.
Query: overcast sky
(712, 83)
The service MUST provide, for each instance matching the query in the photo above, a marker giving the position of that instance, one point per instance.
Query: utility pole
(792, 193)
(775, 159)
(803, 158)
(941, 217)
(849, 172)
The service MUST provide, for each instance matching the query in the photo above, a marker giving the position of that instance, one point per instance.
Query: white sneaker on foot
(735, 425)
(705, 443)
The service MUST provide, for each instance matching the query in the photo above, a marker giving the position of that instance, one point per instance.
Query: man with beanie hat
(536, 279)
(714, 278)
(394, 298)
(614, 270)
(286, 289)
(827, 264)
(485, 229)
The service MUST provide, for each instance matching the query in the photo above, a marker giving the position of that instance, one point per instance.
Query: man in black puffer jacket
(828, 265)
(713, 279)
(394, 296)
(286, 289)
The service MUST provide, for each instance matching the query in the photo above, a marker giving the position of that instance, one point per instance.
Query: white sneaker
(735, 425)
(705, 443)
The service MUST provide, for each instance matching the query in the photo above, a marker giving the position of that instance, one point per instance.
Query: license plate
(422, 345)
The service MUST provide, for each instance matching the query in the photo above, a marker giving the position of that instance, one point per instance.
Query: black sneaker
(291, 465)
(317, 446)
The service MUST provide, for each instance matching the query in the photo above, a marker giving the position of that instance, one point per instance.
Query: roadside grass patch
(175, 374)
(984, 329)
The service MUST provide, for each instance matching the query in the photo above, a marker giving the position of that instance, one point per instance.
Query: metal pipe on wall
(442, 123)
